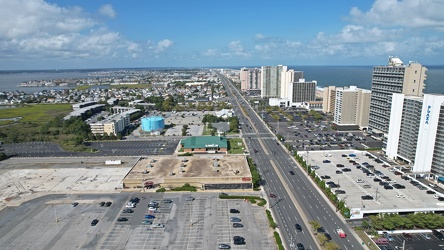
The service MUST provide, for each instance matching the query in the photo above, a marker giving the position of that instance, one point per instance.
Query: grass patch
(235, 146)
(83, 87)
(252, 199)
(278, 239)
(36, 112)
(185, 187)
(366, 239)
(206, 130)
(160, 190)
(130, 86)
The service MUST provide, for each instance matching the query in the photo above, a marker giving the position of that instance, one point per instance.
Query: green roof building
(204, 144)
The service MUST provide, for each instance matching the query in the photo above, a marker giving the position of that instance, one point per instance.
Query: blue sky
(61, 34)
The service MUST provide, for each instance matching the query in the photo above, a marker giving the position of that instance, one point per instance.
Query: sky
(81, 34)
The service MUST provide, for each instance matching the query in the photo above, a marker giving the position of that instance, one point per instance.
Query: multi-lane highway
(298, 199)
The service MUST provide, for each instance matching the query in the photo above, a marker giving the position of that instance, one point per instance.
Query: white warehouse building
(416, 132)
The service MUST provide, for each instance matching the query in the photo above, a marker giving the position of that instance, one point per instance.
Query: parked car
(122, 219)
(325, 177)
(102, 203)
(107, 204)
(235, 219)
(75, 204)
(224, 246)
(326, 161)
(339, 191)
(94, 222)
(149, 216)
(407, 236)
(367, 197)
(338, 171)
(189, 198)
(238, 240)
(128, 210)
(234, 211)
(158, 226)
(388, 236)
(426, 236)
(359, 181)
(147, 222)
(238, 225)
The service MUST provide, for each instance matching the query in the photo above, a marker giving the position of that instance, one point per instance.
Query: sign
(428, 114)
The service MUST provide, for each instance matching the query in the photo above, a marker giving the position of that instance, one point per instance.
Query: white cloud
(163, 45)
(209, 52)
(22, 18)
(108, 11)
(32, 29)
(404, 13)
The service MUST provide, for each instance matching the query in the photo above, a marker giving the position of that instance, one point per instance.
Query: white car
(158, 225)
(189, 198)
(400, 196)
(359, 181)
(152, 208)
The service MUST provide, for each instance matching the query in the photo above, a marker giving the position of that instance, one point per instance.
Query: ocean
(360, 76)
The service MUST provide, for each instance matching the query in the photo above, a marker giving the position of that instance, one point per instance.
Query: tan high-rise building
(387, 80)
(352, 106)
(250, 79)
(328, 99)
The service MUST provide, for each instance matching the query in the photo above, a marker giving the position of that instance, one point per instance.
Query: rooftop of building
(204, 142)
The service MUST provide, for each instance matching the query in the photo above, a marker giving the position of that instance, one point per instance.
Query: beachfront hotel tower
(396, 77)
(271, 82)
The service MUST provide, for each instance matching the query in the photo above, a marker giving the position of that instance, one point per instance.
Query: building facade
(113, 124)
(352, 106)
(387, 80)
(302, 91)
(250, 79)
(287, 78)
(328, 99)
(416, 132)
(271, 81)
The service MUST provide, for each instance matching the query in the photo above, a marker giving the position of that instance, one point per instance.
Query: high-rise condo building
(302, 91)
(289, 77)
(416, 132)
(352, 106)
(328, 99)
(271, 81)
(387, 80)
(250, 79)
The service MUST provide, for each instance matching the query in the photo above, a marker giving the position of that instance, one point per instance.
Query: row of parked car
(237, 240)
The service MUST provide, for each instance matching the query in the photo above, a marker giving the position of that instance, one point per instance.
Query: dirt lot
(196, 166)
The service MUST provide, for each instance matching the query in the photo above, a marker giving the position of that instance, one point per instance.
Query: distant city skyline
(76, 34)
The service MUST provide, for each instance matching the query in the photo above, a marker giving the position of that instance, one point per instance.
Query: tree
(315, 225)
(322, 239)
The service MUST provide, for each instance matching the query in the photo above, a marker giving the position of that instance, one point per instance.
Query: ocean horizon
(360, 76)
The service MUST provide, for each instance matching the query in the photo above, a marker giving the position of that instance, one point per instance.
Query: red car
(273, 196)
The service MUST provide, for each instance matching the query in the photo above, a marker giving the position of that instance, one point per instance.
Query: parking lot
(312, 135)
(108, 148)
(413, 242)
(201, 223)
(382, 184)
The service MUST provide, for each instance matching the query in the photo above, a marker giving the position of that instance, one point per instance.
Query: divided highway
(298, 199)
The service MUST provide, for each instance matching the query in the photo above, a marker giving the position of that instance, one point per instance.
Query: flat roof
(204, 142)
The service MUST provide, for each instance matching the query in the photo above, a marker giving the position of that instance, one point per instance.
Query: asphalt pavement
(274, 163)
